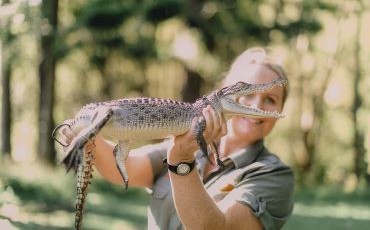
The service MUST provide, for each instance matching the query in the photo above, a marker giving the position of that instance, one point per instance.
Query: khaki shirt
(253, 177)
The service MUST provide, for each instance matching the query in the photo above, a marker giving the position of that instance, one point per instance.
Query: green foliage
(47, 198)
(160, 10)
(103, 20)
(103, 15)
(302, 26)
(319, 4)
(143, 48)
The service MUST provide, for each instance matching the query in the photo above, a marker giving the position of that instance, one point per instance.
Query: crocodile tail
(83, 181)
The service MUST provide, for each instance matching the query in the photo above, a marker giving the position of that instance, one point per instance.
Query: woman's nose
(255, 102)
(251, 100)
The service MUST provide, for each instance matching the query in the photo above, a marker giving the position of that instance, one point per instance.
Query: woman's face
(250, 130)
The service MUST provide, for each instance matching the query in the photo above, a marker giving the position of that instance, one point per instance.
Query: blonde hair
(255, 56)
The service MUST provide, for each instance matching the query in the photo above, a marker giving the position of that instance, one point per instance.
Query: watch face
(183, 169)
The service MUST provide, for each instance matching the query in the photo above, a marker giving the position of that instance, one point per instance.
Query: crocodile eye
(241, 83)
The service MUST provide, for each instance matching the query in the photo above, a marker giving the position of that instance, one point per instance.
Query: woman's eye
(270, 100)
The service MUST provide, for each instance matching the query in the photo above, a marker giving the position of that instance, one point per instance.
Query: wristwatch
(182, 169)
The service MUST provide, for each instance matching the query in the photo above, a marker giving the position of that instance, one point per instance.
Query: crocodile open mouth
(242, 89)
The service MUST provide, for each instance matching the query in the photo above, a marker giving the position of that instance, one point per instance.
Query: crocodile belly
(144, 131)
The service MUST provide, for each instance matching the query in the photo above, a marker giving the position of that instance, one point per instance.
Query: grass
(330, 208)
(37, 197)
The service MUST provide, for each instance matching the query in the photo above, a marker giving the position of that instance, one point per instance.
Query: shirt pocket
(161, 206)
(160, 191)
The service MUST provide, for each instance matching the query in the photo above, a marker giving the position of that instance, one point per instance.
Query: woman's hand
(184, 146)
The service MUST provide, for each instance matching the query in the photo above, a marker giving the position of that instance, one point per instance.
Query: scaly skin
(83, 180)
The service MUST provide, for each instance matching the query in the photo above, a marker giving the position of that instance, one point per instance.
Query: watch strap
(182, 168)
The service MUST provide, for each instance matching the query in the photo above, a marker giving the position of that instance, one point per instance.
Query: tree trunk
(192, 86)
(6, 106)
(47, 78)
(360, 164)
(5, 99)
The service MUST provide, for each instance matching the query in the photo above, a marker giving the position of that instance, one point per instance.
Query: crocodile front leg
(73, 155)
(120, 152)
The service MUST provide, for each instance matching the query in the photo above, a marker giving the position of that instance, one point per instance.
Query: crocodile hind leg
(120, 153)
(73, 155)
(83, 180)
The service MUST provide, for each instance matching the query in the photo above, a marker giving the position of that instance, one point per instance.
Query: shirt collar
(247, 155)
(241, 157)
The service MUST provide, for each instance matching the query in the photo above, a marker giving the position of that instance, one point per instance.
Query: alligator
(131, 119)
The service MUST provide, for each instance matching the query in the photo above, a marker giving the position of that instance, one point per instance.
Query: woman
(253, 191)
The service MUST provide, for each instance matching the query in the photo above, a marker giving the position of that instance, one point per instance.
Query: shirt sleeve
(157, 153)
(268, 190)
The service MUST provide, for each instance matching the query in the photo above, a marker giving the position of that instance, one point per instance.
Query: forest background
(57, 56)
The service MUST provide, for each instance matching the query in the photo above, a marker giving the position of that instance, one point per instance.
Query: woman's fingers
(209, 121)
(215, 125)
(223, 128)
(216, 119)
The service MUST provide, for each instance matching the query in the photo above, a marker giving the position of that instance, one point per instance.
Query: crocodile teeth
(274, 114)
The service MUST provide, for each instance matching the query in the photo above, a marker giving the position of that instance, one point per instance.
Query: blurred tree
(49, 11)
(6, 36)
(311, 113)
(102, 19)
(111, 31)
(226, 28)
(308, 90)
(192, 87)
(360, 163)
